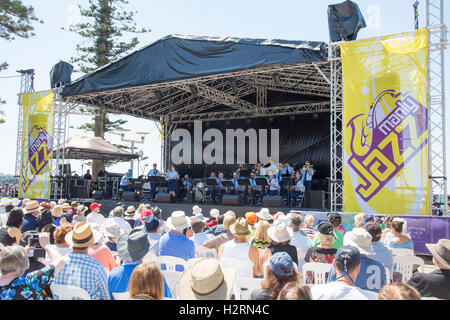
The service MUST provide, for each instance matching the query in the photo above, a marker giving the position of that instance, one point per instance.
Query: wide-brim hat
(32, 206)
(280, 232)
(133, 246)
(65, 205)
(264, 214)
(214, 213)
(82, 236)
(111, 229)
(206, 280)
(196, 210)
(130, 211)
(361, 239)
(178, 221)
(240, 227)
(441, 251)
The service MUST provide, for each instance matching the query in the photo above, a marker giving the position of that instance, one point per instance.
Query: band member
(239, 170)
(237, 189)
(172, 177)
(307, 175)
(274, 185)
(256, 191)
(298, 189)
(287, 169)
(279, 176)
(220, 191)
(186, 187)
(213, 189)
(154, 173)
(87, 176)
(125, 182)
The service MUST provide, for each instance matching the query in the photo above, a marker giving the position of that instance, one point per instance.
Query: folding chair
(66, 292)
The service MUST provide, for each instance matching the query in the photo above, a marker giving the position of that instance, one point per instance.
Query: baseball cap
(325, 228)
(281, 264)
(94, 205)
(374, 228)
(145, 214)
(348, 255)
(151, 222)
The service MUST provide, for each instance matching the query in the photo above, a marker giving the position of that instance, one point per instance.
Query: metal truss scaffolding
(26, 86)
(336, 129)
(436, 101)
(60, 129)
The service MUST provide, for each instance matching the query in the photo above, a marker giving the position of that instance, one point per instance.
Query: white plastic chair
(66, 292)
(402, 252)
(244, 286)
(405, 266)
(388, 275)
(171, 278)
(203, 252)
(150, 257)
(171, 262)
(319, 271)
(191, 262)
(121, 295)
(244, 268)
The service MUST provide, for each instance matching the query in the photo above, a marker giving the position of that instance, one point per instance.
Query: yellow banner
(385, 124)
(37, 145)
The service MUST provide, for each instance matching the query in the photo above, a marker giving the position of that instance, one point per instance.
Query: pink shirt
(102, 254)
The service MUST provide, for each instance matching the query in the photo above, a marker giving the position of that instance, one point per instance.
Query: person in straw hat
(81, 214)
(130, 217)
(264, 214)
(206, 280)
(31, 211)
(90, 274)
(132, 248)
(279, 237)
(239, 247)
(370, 268)
(175, 242)
(436, 283)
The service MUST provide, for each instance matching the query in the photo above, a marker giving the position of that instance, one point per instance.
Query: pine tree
(15, 20)
(106, 23)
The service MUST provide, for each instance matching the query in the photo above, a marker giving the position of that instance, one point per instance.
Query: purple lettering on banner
(404, 126)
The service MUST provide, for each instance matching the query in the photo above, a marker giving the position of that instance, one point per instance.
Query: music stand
(286, 180)
(227, 184)
(211, 182)
(261, 181)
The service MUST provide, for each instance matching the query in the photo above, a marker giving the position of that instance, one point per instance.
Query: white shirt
(301, 242)
(340, 291)
(124, 226)
(236, 250)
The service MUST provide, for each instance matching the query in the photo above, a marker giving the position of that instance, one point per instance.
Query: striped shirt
(83, 271)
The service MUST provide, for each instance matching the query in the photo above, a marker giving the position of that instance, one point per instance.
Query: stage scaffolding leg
(60, 129)
(436, 101)
(336, 129)
(26, 86)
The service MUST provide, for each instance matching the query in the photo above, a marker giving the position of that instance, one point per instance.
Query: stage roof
(94, 148)
(191, 78)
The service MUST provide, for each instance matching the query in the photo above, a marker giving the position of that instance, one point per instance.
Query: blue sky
(282, 19)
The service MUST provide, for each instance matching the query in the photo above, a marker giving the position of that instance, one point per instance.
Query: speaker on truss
(344, 21)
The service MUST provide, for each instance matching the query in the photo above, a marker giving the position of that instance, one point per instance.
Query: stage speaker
(163, 197)
(314, 199)
(272, 201)
(232, 200)
(98, 194)
(128, 196)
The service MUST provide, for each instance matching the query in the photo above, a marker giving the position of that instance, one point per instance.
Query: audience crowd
(115, 254)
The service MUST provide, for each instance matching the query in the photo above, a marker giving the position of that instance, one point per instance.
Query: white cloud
(73, 15)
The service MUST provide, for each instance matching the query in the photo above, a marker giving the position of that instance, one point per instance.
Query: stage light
(276, 78)
(193, 88)
(292, 118)
(158, 95)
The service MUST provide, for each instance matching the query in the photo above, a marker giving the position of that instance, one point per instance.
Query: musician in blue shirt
(279, 177)
(287, 169)
(237, 189)
(186, 187)
(213, 189)
(172, 178)
(274, 185)
(125, 182)
(255, 190)
(297, 189)
(154, 173)
(307, 175)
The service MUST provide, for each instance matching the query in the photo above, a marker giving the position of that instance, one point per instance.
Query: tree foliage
(104, 30)
(15, 20)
